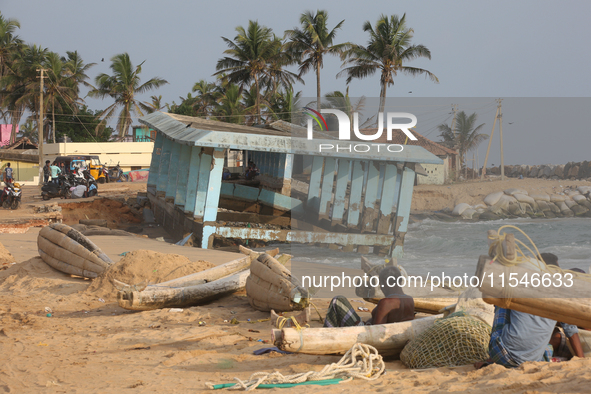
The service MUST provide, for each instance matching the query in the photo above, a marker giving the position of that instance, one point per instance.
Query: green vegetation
(253, 82)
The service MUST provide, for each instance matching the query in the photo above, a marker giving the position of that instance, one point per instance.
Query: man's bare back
(393, 309)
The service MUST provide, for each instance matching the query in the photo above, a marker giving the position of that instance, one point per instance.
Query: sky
(479, 49)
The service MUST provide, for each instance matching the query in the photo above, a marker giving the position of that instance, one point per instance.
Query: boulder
(493, 198)
(566, 169)
(517, 209)
(540, 196)
(541, 170)
(570, 203)
(554, 207)
(479, 207)
(460, 208)
(533, 173)
(579, 210)
(550, 214)
(524, 198)
(548, 171)
(512, 191)
(573, 172)
(488, 215)
(568, 213)
(559, 170)
(468, 213)
(543, 206)
(584, 189)
(578, 197)
(584, 170)
(586, 204)
(557, 198)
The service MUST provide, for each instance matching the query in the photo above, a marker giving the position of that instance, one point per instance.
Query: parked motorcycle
(11, 196)
(105, 171)
(116, 174)
(60, 189)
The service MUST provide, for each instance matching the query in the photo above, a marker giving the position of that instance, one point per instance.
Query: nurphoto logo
(345, 130)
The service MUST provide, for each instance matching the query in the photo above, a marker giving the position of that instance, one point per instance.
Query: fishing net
(457, 339)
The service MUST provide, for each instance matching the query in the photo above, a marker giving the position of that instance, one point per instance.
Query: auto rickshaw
(72, 163)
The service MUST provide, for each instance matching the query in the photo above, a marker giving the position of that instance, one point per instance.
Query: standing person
(46, 171)
(8, 174)
(55, 171)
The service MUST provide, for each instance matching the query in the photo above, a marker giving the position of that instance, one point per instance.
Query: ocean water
(437, 247)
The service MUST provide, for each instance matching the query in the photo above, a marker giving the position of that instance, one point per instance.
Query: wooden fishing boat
(270, 286)
(68, 251)
(388, 339)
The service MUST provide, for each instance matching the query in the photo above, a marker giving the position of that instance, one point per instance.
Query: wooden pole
(488, 148)
(40, 127)
(501, 136)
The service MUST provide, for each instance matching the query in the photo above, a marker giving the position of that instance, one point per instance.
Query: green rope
(282, 385)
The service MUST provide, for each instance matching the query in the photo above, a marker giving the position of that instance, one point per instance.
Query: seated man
(396, 307)
(518, 337)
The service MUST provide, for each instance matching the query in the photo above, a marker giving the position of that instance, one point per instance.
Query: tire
(101, 180)
(46, 197)
(15, 204)
(6, 204)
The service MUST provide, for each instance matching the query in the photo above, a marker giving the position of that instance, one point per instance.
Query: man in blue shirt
(8, 174)
(518, 337)
(55, 171)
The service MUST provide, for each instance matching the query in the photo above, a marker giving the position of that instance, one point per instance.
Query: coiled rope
(361, 361)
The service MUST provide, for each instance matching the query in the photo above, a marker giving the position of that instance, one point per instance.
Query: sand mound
(142, 265)
(115, 212)
(6, 259)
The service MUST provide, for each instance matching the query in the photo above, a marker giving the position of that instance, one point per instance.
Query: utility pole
(40, 127)
(498, 115)
(501, 135)
(454, 108)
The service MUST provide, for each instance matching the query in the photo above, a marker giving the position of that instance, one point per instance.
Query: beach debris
(360, 361)
(68, 251)
(48, 315)
(48, 309)
(175, 310)
(266, 350)
(202, 323)
(101, 300)
(458, 339)
(388, 339)
(362, 309)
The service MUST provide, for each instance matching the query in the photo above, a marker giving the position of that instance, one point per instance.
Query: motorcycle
(105, 171)
(116, 174)
(11, 196)
(60, 189)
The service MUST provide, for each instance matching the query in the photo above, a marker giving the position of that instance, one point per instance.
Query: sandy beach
(91, 345)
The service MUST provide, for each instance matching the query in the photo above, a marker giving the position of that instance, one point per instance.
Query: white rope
(361, 361)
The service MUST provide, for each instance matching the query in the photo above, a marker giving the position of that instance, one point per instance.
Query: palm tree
(75, 70)
(310, 43)
(231, 109)
(8, 41)
(464, 136)
(286, 105)
(340, 101)
(21, 84)
(123, 86)
(248, 58)
(9, 45)
(60, 87)
(155, 104)
(388, 50)
(206, 97)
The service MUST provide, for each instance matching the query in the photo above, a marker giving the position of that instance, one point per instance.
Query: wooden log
(431, 306)
(209, 275)
(388, 339)
(182, 296)
(567, 304)
(557, 309)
